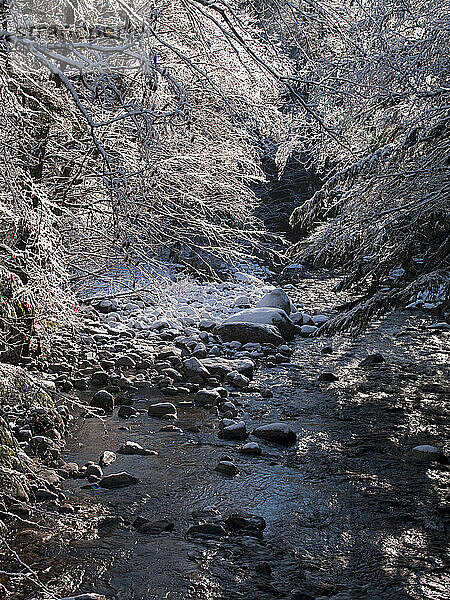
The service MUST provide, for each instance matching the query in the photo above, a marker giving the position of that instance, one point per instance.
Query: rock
(125, 412)
(327, 350)
(228, 407)
(428, 453)
(100, 378)
(235, 345)
(207, 397)
(293, 271)
(43, 495)
(296, 318)
(196, 369)
(266, 316)
(227, 468)
(246, 524)
(40, 444)
(163, 409)
(280, 433)
(107, 458)
(308, 330)
(103, 399)
(215, 351)
(266, 393)
(207, 530)
(251, 449)
(80, 384)
(276, 299)
(328, 377)
(85, 597)
(156, 527)
(222, 366)
(200, 351)
(94, 470)
(236, 431)
(439, 326)
(238, 380)
(133, 448)
(125, 361)
(319, 320)
(118, 480)
(207, 325)
(159, 325)
(371, 360)
(249, 333)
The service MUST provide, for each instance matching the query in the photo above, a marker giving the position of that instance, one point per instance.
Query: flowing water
(350, 513)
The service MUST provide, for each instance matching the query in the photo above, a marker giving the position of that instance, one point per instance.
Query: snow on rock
(223, 366)
(277, 298)
(265, 316)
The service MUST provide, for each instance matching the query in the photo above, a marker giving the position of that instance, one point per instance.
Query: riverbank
(349, 510)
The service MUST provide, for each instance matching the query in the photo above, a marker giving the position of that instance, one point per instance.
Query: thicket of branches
(132, 128)
(378, 74)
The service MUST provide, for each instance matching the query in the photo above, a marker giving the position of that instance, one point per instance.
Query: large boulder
(276, 299)
(222, 366)
(266, 316)
(249, 332)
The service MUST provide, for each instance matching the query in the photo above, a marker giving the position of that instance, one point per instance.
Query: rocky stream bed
(253, 468)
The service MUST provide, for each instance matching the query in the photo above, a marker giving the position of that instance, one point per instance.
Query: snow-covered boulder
(276, 299)
(265, 316)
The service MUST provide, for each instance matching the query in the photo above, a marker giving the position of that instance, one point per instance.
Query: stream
(350, 513)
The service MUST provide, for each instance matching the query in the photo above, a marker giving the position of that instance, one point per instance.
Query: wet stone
(118, 480)
(125, 412)
(227, 468)
(427, 453)
(234, 431)
(104, 400)
(372, 360)
(207, 397)
(156, 527)
(163, 409)
(251, 449)
(246, 524)
(280, 433)
(100, 378)
(328, 377)
(207, 530)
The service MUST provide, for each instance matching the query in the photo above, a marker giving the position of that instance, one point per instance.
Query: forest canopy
(134, 131)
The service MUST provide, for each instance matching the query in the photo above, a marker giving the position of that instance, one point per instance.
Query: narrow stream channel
(350, 513)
